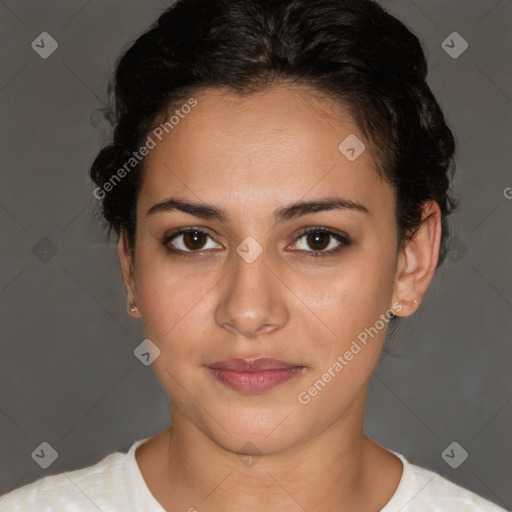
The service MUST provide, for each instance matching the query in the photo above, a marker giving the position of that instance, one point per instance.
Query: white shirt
(115, 484)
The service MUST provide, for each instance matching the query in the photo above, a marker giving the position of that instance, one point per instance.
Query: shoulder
(425, 490)
(91, 488)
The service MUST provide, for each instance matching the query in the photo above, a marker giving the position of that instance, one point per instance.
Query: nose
(251, 301)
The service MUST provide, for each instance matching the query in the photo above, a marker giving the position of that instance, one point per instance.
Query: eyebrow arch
(283, 214)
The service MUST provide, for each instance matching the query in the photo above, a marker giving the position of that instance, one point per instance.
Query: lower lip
(256, 381)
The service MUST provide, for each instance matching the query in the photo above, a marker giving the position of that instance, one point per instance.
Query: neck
(336, 468)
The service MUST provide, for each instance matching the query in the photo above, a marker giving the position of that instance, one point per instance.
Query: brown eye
(189, 240)
(315, 241)
(194, 240)
(318, 241)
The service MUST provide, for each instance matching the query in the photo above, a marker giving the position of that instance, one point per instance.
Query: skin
(251, 156)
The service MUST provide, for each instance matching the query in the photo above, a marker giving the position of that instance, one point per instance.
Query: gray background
(68, 375)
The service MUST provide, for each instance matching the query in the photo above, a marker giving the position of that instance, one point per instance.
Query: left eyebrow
(319, 205)
(283, 214)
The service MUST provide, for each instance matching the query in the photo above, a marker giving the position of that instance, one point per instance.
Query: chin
(258, 431)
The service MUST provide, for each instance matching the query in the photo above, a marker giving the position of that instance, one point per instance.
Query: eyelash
(313, 254)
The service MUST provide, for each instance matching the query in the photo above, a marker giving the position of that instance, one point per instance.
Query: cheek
(173, 310)
(172, 299)
(349, 297)
(347, 343)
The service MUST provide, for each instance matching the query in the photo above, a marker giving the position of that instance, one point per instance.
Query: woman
(279, 182)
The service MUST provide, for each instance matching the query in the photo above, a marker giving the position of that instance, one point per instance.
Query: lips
(251, 365)
(253, 375)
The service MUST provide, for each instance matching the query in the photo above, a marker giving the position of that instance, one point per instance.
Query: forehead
(273, 146)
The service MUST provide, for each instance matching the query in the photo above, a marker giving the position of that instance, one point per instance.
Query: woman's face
(249, 284)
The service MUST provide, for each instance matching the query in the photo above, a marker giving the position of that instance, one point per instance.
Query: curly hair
(353, 51)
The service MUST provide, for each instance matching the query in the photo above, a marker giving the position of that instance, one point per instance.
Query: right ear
(127, 270)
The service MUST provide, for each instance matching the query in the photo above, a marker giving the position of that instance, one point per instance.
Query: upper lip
(250, 365)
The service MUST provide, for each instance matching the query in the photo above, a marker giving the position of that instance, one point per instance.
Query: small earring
(415, 301)
(133, 308)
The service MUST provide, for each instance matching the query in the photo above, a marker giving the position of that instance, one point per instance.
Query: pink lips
(253, 375)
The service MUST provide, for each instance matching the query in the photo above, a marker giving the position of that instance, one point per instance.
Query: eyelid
(340, 236)
(343, 239)
(183, 231)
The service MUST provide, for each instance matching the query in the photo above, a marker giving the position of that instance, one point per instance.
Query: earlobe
(417, 261)
(126, 262)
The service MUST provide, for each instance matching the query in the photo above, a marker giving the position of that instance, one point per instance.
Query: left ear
(417, 261)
